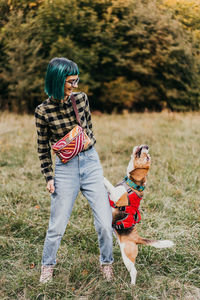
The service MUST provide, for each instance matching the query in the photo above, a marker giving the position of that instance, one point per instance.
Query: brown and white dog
(128, 238)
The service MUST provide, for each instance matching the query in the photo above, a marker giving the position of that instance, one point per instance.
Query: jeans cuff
(106, 262)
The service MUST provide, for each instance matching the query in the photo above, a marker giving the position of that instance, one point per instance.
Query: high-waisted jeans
(83, 172)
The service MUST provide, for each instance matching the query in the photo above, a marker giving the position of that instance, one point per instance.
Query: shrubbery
(134, 54)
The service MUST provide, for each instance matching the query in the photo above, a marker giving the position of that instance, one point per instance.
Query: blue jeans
(83, 172)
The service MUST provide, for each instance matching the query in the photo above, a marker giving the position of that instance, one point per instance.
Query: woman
(55, 117)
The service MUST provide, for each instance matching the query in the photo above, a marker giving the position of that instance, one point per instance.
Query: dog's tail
(156, 244)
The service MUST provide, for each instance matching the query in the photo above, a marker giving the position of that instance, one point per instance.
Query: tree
(22, 73)
(154, 51)
(131, 54)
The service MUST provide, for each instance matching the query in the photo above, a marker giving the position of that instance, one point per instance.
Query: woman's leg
(92, 187)
(67, 186)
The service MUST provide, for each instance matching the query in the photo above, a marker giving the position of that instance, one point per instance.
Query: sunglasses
(73, 82)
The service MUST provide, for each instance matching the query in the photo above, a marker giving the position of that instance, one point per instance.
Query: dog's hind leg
(129, 252)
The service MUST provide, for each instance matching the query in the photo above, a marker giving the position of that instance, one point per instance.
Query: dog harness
(132, 213)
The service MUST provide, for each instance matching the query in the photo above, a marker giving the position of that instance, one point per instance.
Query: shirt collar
(56, 101)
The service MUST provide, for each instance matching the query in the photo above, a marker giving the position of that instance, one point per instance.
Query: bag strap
(75, 109)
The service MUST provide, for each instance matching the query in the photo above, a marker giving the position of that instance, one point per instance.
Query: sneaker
(46, 274)
(107, 271)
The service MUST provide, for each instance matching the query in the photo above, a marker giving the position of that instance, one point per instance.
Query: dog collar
(132, 184)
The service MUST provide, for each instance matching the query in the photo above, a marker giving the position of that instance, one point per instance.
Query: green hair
(57, 71)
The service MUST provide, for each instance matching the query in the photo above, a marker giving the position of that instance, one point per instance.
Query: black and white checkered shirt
(54, 120)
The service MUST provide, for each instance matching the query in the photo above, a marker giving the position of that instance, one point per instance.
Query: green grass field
(170, 210)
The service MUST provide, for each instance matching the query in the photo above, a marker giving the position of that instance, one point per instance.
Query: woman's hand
(50, 186)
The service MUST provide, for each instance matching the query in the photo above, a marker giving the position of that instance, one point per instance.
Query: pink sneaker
(107, 271)
(46, 274)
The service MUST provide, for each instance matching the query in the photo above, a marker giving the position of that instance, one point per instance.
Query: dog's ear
(139, 174)
(122, 201)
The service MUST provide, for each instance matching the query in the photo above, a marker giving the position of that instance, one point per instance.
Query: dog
(125, 199)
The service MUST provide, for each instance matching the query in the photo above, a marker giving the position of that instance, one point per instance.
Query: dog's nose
(146, 147)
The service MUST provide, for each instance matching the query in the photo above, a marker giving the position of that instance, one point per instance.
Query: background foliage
(132, 54)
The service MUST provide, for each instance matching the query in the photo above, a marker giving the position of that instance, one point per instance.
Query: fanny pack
(73, 142)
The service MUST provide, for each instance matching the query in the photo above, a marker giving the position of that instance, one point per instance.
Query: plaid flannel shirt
(54, 120)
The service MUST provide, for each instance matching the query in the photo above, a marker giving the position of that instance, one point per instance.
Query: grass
(170, 210)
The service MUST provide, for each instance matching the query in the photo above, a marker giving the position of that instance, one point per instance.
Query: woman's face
(71, 83)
